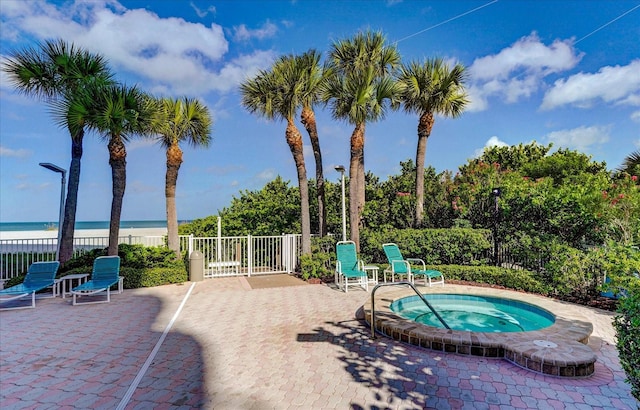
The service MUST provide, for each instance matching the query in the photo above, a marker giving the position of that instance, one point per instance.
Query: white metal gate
(247, 255)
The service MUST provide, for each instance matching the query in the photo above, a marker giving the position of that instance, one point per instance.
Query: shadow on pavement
(89, 356)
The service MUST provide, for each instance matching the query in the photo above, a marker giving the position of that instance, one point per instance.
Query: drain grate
(545, 343)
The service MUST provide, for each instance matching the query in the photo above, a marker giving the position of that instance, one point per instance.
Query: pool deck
(219, 344)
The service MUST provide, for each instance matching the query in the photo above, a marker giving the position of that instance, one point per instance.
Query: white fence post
(286, 251)
(249, 255)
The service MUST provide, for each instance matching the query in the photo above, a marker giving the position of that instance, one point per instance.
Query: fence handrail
(275, 253)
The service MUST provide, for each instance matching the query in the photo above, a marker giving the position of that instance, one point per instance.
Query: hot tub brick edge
(572, 358)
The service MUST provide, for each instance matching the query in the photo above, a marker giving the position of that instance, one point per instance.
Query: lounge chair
(349, 269)
(40, 275)
(405, 267)
(105, 274)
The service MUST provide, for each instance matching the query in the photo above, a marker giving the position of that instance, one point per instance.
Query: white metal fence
(224, 256)
(246, 255)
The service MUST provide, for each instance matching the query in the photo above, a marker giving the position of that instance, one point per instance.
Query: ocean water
(41, 226)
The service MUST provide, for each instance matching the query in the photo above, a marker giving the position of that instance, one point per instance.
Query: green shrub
(627, 325)
(620, 263)
(79, 264)
(460, 246)
(492, 275)
(140, 278)
(579, 273)
(319, 263)
(140, 266)
(571, 272)
(16, 280)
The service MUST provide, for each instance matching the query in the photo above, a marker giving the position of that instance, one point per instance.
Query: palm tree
(273, 94)
(428, 89)
(179, 120)
(311, 79)
(56, 72)
(358, 88)
(631, 164)
(120, 112)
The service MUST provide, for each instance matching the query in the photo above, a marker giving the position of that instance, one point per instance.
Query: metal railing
(17, 254)
(244, 255)
(247, 255)
(373, 305)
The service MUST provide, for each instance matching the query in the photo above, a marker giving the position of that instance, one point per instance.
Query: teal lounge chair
(349, 269)
(40, 275)
(105, 274)
(405, 267)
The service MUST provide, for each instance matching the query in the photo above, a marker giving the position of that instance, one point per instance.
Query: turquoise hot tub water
(474, 313)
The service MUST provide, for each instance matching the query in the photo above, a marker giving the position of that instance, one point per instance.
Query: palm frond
(631, 163)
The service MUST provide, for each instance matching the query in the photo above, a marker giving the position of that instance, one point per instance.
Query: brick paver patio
(231, 347)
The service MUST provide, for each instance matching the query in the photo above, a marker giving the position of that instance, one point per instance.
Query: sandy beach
(82, 233)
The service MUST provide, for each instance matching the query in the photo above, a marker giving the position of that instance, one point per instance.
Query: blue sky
(566, 72)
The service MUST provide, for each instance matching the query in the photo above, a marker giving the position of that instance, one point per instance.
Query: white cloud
(491, 142)
(242, 33)
(580, 138)
(518, 71)
(618, 85)
(203, 13)
(266, 175)
(175, 55)
(142, 143)
(15, 153)
(477, 99)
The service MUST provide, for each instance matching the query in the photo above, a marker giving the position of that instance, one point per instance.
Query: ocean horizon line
(81, 225)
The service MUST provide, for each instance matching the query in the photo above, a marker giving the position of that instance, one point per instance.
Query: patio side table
(373, 280)
(79, 277)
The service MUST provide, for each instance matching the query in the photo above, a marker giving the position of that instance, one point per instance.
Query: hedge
(627, 325)
(141, 266)
(454, 246)
(523, 280)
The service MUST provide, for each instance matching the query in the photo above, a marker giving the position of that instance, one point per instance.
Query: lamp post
(340, 169)
(62, 171)
(495, 192)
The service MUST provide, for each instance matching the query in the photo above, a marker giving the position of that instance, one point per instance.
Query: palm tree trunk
(71, 201)
(118, 162)
(308, 119)
(174, 160)
(355, 182)
(424, 130)
(294, 139)
(362, 184)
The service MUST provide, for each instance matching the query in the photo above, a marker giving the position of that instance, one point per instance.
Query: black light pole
(495, 192)
(62, 171)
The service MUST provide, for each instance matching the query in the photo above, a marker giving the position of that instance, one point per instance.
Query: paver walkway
(234, 348)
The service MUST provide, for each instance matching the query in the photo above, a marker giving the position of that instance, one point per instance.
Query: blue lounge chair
(105, 274)
(405, 267)
(40, 275)
(349, 269)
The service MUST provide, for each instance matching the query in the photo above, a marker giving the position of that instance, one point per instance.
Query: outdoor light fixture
(340, 169)
(496, 192)
(62, 171)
